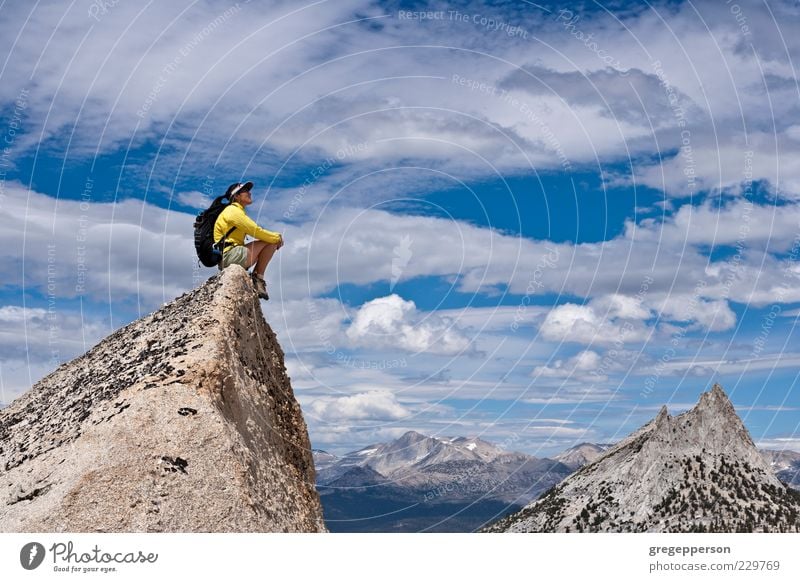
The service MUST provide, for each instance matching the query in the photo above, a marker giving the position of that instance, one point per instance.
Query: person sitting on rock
(235, 251)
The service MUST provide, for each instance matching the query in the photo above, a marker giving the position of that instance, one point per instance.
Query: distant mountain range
(459, 484)
(579, 455)
(422, 483)
(785, 464)
(696, 472)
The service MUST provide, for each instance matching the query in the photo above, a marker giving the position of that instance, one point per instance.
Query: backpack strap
(222, 242)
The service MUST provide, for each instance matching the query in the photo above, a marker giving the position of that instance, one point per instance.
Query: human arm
(247, 226)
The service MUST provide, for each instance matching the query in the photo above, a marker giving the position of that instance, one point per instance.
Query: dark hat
(238, 188)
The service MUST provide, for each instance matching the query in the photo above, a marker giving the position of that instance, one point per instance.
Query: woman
(233, 225)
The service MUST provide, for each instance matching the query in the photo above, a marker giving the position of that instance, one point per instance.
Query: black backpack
(210, 254)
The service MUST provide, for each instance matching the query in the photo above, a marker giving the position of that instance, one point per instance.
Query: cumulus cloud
(155, 67)
(722, 162)
(391, 320)
(585, 366)
(341, 438)
(617, 306)
(571, 322)
(588, 325)
(620, 319)
(496, 319)
(378, 405)
(310, 324)
(710, 315)
(557, 431)
(631, 101)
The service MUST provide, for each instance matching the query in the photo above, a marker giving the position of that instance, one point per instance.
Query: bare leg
(259, 254)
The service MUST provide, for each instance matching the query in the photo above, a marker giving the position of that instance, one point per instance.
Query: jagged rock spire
(184, 420)
(698, 471)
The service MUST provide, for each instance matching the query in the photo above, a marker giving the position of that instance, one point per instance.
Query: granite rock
(696, 472)
(183, 421)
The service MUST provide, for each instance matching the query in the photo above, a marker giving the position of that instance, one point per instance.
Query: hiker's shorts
(235, 256)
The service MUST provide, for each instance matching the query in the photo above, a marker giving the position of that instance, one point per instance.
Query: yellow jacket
(234, 215)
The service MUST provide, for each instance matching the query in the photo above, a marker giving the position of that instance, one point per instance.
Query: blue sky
(530, 223)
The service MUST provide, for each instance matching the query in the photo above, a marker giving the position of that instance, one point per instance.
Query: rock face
(698, 471)
(183, 421)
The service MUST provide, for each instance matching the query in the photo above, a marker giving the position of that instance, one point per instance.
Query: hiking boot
(261, 287)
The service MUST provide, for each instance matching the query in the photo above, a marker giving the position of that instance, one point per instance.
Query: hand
(280, 242)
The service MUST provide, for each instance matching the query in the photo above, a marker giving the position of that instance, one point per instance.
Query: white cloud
(585, 324)
(298, 78)
(16, 314)
(378, 405)
(194, 199)
(70, 245)
(157, 67)
(309, 324)
(585, 366)
(496, 319)
(394, 321)
(570, 395)
(709, 315)
(620, 306)
(18, 375)
(570, 322)
(341, 438)
(734, 223)
(163, 265)
(34, 341)
(722, 161)
(353, 246)
(557, 431)
(102, 250)
(707, 367)
(618, 319)
(52, 335)
(780, 444)
(226, 97)
(793, 132)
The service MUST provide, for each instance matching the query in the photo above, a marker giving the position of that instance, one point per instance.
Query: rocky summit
(696, 472)
(183, 421)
